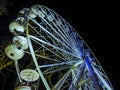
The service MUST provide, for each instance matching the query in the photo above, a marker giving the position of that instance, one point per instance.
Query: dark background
(90, 20)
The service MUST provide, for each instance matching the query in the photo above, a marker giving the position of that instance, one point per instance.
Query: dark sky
(89, 20)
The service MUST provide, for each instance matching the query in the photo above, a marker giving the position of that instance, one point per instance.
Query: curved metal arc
(36, 64)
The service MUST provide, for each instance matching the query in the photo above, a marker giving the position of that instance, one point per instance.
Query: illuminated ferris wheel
(52, 54)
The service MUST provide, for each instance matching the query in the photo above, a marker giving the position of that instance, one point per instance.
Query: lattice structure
(59, 54)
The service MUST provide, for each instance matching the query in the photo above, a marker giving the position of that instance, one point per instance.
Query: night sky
(88, 18)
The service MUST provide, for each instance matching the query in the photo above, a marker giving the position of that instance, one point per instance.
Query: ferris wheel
(59, 59)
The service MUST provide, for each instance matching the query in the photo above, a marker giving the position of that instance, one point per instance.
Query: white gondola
(16, 28)
(21, 42)
(13, 52)
(23, 88)
(29, 75)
